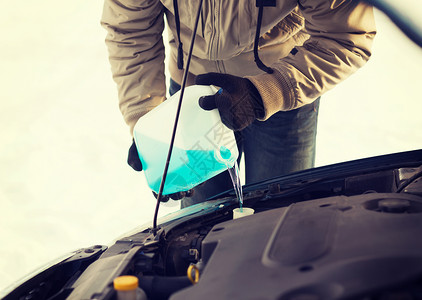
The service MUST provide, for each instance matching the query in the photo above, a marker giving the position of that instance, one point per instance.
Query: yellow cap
(125, 283)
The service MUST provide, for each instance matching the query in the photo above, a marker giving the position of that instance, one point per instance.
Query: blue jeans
(283, 144)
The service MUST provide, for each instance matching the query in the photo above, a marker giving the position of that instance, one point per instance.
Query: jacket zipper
(215, 32)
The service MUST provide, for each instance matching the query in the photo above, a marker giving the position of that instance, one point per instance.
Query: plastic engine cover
(330, 248)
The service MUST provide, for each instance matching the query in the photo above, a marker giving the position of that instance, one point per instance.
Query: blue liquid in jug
(187, 168)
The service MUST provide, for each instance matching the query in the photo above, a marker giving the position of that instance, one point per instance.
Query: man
(270, 99)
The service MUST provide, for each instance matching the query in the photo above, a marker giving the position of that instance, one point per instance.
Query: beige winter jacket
(333, 39)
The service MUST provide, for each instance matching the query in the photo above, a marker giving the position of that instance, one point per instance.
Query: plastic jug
(203, 147)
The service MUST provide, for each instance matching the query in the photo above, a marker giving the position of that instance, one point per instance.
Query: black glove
(134, 161)
(133, 158)
(238, 103)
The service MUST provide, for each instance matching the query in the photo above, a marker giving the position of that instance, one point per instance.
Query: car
(343, 231)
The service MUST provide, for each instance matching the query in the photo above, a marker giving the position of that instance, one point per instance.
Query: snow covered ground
(64, 181)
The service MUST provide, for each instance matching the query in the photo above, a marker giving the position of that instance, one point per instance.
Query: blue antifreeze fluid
(188, 167)
(237, 185)
(203, 145)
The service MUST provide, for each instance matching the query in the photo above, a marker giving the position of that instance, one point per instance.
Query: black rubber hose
(182, 89)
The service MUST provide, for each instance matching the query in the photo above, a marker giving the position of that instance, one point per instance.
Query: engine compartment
(330, 248)
(346, 231)
(354, 241)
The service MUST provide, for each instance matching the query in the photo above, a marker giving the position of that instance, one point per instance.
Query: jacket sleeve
(341, 34)
(136, 53)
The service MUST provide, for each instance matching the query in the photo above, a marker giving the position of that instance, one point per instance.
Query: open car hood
(345, 231)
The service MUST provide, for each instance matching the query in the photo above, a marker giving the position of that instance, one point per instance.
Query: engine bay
(345, 238)
(346, 231)
(337, 247)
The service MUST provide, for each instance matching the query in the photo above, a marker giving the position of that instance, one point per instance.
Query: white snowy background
(64, 182)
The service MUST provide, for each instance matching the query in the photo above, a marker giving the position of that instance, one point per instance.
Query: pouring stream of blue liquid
(235, 177)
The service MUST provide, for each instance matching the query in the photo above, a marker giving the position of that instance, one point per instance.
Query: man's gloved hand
(238, 103)
(134, 161)
(133, 158)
